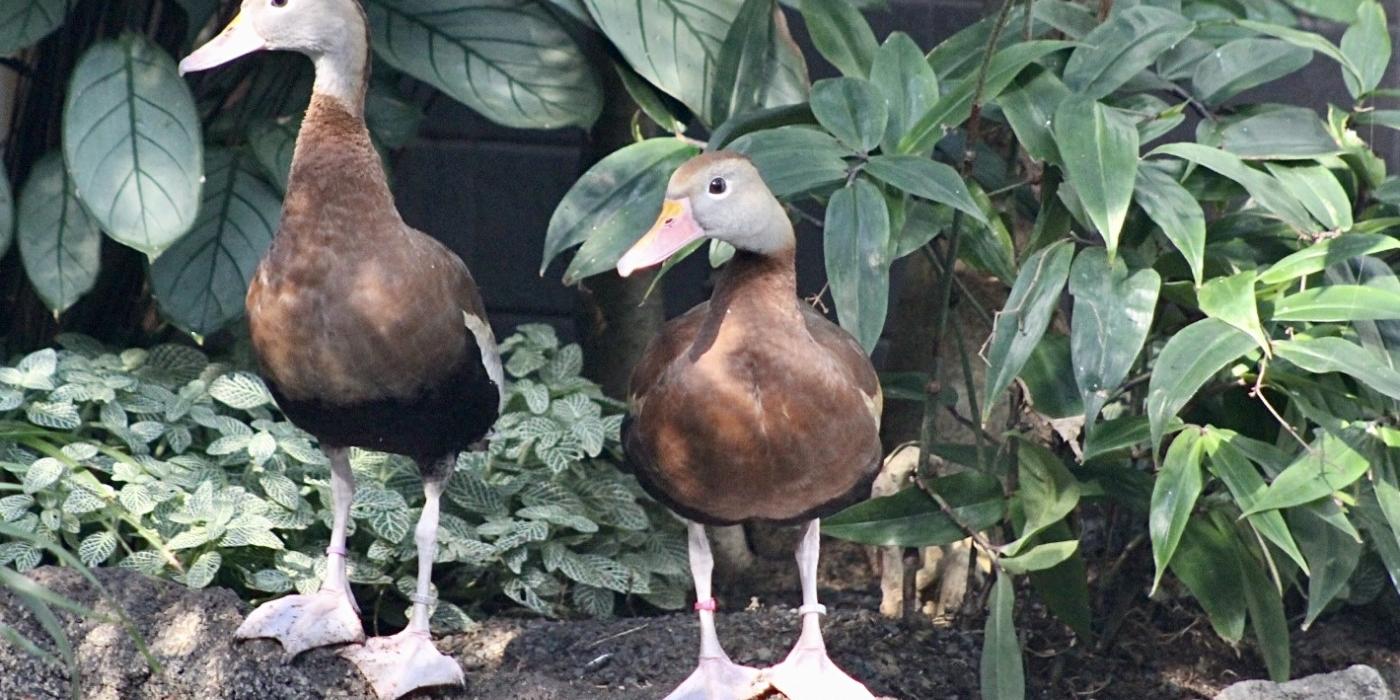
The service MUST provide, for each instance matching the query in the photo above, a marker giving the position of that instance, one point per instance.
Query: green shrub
(163, 461)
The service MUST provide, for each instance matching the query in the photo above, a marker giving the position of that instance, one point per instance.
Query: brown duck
(751, 406)
(369, 333)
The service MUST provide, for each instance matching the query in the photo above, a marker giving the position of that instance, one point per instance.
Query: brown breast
(753, 406)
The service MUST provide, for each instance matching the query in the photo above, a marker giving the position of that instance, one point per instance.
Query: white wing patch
(490, 355)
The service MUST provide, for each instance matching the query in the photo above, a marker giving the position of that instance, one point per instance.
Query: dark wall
(488, 191)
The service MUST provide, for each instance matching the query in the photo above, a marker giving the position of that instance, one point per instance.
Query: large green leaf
(1122, 47)
(612, 205)
(1048, 492)
(1329, 464)
(1322, 355)
(1231, 299)
(1339, 302)
(857, 242)
(202, 280)
(1041, 557)
(1367, 44)
(1190, 358)
(1003, 673)
(1029, 104)
(59, 242)
(911, 518)
(907, 82)
(853, 110)
(1243, 64)
(794, 159)
(926, 178)
(25, 22)
(1027, 313)
(1278, 133)
(1176, 212)
(956, 104)
(1099, 147)
(1113, 309)
(1205, 562)
(1048, 378)
(1246, 486)
(1174, 495)
(1343, 11)
(131, 142)
(1307, 40)
(675, 44)
(841, 35)
(273, 142)
(1266, 614)
(510, 60)
(1333, 553)
(759, 65)
(1318, 189)
(1264, 189)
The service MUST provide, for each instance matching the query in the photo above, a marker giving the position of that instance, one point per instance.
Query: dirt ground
(1160, 649)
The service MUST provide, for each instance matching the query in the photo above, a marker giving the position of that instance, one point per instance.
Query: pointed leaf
(841, 35)
(1325, 253)
(1189, 359)
(853, 110)
(1002, 669)
(1339, 302)
(131, 141)
(1307, 40)
(1243, 64)
(907, 82)
(1278, 133)
(911, 518)
(794, 159)
(1266, 615)
(1367, 44)
(202, 280)
(1322, 355)
(1022, 322)
(857, 242)
(1029, 104)
(1048, 492)
(1330, 464)
(1333, 553)
(1174, 495)
(1205, 562)
(1117, 50)
(1231, 299)
(1113, 309)
(59, 242)
(1264, 189)
(509, 60)
(1176, 212)
(612, 205)
(1246, 485)
(759, 64)
(1040, 557)
(1099, 147)
(928, 179)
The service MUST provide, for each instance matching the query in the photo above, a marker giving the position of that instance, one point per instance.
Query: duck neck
(342, 69)
(766, 281)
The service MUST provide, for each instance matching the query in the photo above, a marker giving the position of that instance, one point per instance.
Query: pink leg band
(707, 605)
(336, 551)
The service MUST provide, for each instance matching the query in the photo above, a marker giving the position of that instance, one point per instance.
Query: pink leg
(808, 673)
(329, 616)
(399, 664)
(717, 677)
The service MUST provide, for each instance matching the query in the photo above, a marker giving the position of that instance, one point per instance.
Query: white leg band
(817, 608)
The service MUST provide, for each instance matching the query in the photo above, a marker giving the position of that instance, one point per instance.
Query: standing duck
(369, 333)
(751, 406)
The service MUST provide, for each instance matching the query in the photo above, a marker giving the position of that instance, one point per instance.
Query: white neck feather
(340, 71)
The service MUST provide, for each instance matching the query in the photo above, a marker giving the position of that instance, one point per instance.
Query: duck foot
(809, 674)
(718, 678)
(399, 664)
(302, 622)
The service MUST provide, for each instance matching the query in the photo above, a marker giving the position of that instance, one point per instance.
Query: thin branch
(1258, 392)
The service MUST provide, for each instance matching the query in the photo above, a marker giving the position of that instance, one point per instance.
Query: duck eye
(717, 185)
(279, 3)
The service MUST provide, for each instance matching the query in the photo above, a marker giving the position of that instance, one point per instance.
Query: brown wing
(849, 355)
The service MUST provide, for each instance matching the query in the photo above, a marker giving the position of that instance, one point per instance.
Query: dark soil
(1160, 649)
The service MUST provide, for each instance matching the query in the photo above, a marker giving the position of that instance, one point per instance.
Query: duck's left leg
(808, 673)
(406, 661)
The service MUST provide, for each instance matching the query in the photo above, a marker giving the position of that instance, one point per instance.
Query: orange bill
(237, 39)
(674, 229)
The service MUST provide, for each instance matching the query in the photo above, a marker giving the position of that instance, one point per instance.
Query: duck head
(333, 33)
(720, 196)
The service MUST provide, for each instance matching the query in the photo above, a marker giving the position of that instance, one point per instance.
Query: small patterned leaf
(42, 474)
(240, 390)
(203, 569)
(97, 547)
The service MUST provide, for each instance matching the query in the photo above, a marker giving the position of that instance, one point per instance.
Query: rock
(1356, 683)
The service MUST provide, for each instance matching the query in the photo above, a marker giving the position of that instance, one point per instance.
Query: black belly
(433, 426)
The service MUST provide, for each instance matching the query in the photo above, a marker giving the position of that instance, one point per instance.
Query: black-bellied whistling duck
(369, 333)
(751, 406)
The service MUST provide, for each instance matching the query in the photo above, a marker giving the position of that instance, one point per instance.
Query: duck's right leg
(329, 616)
(717, 678)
